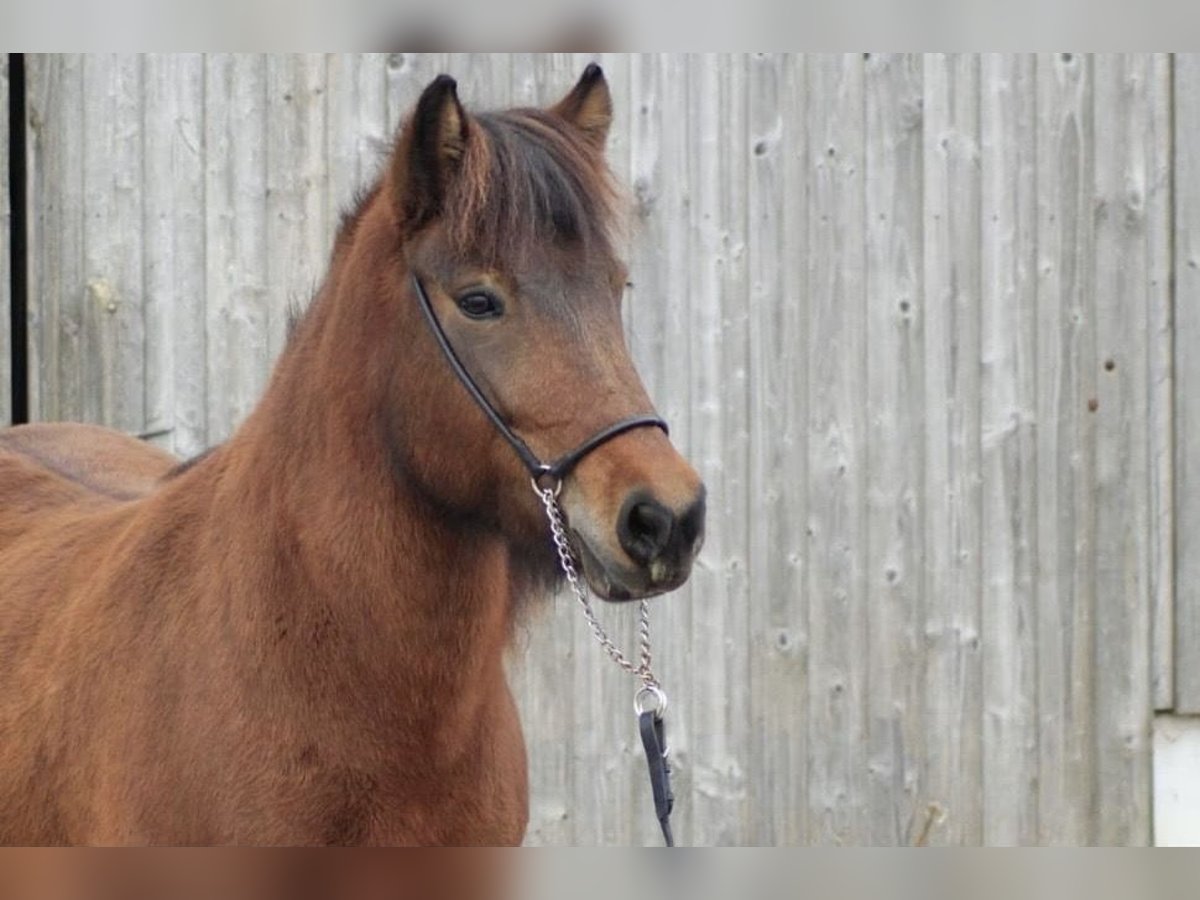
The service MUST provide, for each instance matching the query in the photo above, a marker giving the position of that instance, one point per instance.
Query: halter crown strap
(559, 468)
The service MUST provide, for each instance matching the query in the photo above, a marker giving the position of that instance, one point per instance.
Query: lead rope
(650, 701)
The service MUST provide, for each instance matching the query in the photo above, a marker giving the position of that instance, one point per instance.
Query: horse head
(506, 225)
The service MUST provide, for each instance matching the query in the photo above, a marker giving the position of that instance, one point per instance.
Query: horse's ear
(589, 105)
(429, 153)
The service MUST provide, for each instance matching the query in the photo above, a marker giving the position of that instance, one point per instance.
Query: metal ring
(660, 698)
(537, 488)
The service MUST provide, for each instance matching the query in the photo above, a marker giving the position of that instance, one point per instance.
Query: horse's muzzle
(659, 543)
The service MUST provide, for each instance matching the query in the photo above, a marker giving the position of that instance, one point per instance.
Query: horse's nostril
(645, 528)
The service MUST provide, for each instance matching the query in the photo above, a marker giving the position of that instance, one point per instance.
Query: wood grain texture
(57, 280)
(952, 557)
(1187, 382)
(951, 811)
(837, 458)
(1160, 352)
(1008, 304)
(777, 497)
(894, 407)
(1066, 450)
(174, 254)
(236, 265)
(1124, 695)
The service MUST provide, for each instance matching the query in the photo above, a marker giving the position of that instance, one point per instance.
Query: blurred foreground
(587, 874)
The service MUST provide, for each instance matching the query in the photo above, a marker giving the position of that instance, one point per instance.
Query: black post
(18, 249)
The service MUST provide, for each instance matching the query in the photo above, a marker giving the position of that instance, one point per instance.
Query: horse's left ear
(589, 105)
(429, 154)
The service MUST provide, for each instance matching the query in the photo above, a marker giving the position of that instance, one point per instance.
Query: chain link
(566, 557)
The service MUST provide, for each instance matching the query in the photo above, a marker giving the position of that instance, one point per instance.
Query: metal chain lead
(566, 557)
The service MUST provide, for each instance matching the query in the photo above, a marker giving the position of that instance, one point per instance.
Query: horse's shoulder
(98, 460)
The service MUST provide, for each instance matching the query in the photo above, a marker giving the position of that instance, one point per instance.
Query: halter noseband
(538, 470)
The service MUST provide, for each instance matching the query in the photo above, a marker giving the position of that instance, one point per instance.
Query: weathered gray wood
(1159, 347)
(112, 378)
(299, 228)
(837, 453)
(895, 401)
(778, 433)
(720, 447)
(57, 279)
(236, 287)
(1066, 451)
(174, 254)
(1124, 695)
(358, 134)
(5, 226)
(1007, 450)
(1187, 382)
(952, 810)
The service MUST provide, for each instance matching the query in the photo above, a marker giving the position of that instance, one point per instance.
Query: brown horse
(298, 637)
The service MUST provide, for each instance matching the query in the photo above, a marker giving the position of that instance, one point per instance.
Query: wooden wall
(910, 315)
(1187, 374)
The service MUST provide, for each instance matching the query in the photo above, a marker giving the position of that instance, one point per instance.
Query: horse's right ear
(429, 154)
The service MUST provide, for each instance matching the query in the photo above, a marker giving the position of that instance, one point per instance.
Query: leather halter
(538, 470)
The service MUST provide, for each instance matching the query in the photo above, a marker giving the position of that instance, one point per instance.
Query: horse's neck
(352, 580)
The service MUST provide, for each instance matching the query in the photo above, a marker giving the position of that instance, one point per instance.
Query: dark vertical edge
(18, 240)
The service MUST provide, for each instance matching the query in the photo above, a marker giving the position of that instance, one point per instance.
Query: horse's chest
(478, 795)
(482, 802)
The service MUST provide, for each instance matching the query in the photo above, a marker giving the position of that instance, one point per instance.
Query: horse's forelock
(526, 180)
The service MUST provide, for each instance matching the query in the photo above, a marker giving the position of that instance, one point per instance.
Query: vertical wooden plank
(174, 253)
(56, 270)
(236, 286)
(5, 274)
(1065, 451)
(358, 138)
(718, 446)
(1007, 422)
(1123, 696)
(837, 451)
(113, 322)
(1161, 375)
(1187, 382)
(895, 382)
(952, 812)
(733, 508)
(297, 213)
(779, 738)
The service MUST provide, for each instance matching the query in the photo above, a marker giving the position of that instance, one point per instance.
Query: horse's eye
(480, 305)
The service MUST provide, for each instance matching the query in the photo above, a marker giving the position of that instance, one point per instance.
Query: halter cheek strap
(557, 469)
